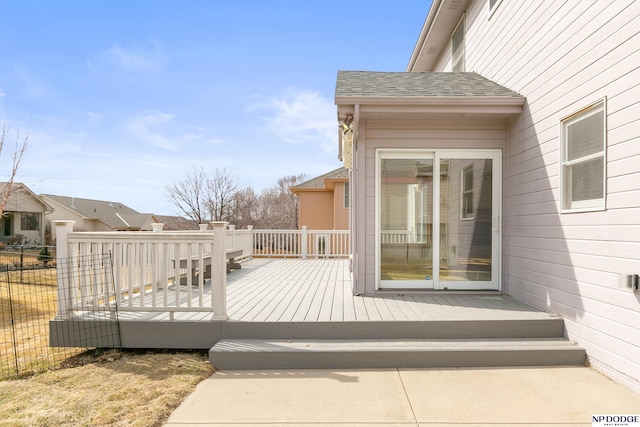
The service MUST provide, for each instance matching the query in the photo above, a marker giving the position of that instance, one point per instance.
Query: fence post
(63, 228)
(304, 242)
(157, 227)
(203, 227)
(219, 271)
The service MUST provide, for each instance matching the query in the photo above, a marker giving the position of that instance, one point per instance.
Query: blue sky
(122, 98)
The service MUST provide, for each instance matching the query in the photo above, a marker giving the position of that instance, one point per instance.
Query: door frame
(496, 249)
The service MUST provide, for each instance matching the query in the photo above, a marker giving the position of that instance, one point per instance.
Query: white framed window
(583, 159)
(346, 195)
(457, 47)
(467, 210)
(493, 5)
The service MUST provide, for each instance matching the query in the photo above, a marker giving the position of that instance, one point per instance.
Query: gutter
(426, 27)
(431, 100)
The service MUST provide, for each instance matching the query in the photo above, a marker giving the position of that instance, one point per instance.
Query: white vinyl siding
(583, 159)
(560, 56)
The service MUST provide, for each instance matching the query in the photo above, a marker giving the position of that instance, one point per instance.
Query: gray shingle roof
(400, 84)
(318, 182)
(177, 223)
(114, 214)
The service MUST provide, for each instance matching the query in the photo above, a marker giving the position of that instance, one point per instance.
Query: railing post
(253, 243)
(63, 228)
(304, 242)
(157, 227)
(219, 271)
(203, 227)
(232, 228)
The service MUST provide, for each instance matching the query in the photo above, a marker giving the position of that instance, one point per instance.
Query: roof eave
(441, 20)
(502, 107)
(429, 100)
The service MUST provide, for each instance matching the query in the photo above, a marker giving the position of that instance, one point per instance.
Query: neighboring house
(506, 159)
(323, 202)
(177, 223)
(23, 216)
(97, 215)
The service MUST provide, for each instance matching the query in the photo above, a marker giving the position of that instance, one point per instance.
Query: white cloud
(93, 118)
(164, 130)
(136, 58)
(151, 129)
(301, 117)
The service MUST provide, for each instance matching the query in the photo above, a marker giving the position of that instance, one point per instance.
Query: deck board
(295, 290)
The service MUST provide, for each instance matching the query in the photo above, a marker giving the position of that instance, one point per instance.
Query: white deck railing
(168, 271)
(301, 243)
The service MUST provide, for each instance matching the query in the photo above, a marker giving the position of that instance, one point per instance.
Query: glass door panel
(466, 224)
(438, 219)
(406, 223)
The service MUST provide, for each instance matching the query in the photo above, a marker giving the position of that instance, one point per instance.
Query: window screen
(583, 159)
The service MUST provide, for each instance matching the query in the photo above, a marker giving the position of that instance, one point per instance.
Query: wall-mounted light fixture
(345, 126)
(347, 141)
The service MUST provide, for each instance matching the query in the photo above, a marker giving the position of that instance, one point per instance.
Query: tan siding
(340, 213)
(316, 210)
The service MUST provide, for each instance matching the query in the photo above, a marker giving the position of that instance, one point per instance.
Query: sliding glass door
(438, 219)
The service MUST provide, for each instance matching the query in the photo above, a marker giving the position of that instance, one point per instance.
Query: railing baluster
(143, 262)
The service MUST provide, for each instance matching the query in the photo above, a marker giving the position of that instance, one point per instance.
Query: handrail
(168, 271)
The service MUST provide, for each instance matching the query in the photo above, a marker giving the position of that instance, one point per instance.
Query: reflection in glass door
(406, 222)
(452, 244)
(466, 218)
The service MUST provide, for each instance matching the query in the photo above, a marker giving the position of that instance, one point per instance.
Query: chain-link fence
(28, 301)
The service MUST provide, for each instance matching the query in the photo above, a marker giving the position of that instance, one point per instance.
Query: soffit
(441, 20)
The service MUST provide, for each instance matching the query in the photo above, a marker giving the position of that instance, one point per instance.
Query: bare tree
(188, 195)
(221, 188)
(245, 208)
(16, 159)
(279, 206)
(204, 197)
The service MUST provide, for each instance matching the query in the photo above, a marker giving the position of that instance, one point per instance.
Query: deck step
(392, 353)
(549, 326)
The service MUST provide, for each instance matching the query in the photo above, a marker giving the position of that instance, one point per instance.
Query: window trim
(463, 215)
(492, 10)
(346, 195)
(33, 218)
(591, 205)
(459, 26)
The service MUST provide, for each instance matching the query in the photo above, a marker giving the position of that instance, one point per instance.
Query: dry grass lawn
(117, 389)
(94, 389)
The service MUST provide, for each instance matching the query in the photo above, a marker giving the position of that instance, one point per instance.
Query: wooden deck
(295, 300)
(319, 290)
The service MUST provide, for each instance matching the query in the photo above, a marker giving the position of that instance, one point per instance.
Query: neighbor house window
(346, 195)
(29, 221)
(466, 193)
(457, 47)
(583, 159)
